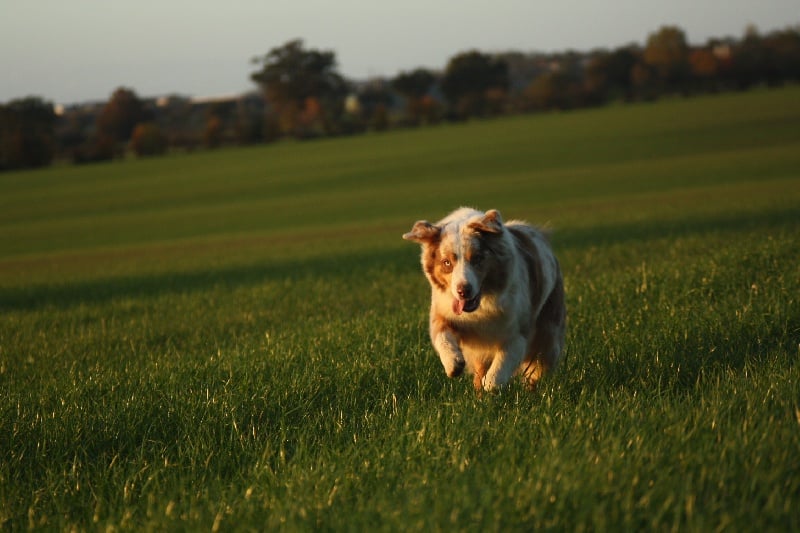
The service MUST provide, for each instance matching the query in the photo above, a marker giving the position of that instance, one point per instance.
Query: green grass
(237, 340)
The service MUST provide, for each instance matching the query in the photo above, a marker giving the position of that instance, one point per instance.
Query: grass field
(237, 339)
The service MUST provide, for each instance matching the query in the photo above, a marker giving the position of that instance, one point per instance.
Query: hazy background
(83, 49)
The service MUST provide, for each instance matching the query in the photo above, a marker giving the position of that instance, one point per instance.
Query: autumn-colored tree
(667, 54)
(554, 90)
(148, 140)
(702, 63)
(468, 78)
(704, 68)
(293, 77)
(120, 115)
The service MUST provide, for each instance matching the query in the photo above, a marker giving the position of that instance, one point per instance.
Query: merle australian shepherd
(497, 297)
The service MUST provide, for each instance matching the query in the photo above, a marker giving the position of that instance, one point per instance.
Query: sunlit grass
(237, 340)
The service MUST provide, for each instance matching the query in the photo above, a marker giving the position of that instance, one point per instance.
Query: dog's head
(462, 255)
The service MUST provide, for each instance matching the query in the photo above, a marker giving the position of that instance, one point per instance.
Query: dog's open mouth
(466, 306)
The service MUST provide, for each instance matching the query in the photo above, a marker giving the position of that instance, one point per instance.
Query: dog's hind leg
(545, 351)
(532, 372)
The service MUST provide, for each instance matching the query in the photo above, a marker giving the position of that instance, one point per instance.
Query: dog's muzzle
(466, 306)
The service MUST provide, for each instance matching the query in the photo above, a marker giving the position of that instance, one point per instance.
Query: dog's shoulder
(529, 238)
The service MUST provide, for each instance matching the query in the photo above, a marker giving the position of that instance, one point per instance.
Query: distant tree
(180, 121)
(27, 133)
(608, 74)
(293, 78)
(704, 68)
(272, 127)
(212, 136)
(379, 118)
(220, 123)
(250, 119)
(643, 82)
(372, 105)
(555, 90)
(96, 149)
(772, 59)
(667, 54)
(596, 79)
(783, 50)
(619, 67)
(414, 86)
(120, 115)
(72, 130)
(468, 78)
(148, 140)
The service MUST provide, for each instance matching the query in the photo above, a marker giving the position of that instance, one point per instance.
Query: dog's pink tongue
(458, 305)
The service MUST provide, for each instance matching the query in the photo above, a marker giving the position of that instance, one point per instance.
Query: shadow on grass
(66, 295)
(340, 268)
(642, 231)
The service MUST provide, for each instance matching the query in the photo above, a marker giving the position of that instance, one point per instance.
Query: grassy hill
(237, 339)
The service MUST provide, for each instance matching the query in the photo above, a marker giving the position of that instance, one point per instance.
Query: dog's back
(546, 288)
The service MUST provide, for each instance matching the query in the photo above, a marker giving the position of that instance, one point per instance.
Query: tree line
(302, 95)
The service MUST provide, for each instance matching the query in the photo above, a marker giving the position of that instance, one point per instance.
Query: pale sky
(70, 51)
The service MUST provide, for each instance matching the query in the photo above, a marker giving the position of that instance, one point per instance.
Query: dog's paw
(492, 385)
(455, 369)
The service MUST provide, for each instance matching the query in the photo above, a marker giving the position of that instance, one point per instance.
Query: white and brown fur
(497, 297)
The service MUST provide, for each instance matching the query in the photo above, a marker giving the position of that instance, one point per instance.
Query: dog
(497, 297)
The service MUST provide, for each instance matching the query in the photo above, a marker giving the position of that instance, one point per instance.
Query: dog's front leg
(446, 345)
(505, 364)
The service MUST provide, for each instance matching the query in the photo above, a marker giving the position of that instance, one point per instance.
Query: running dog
(497, 297)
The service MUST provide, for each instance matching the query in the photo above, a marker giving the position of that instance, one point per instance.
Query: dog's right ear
(423, 232)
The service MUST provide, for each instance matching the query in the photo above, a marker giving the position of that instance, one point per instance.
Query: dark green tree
(120, 115)
(469, 78)
(414, 86)
(303, 86)
(608, 74)
(27, 133)
(374, 100)
(667, 53)
(555, 90)
(148, 140)
(783, 49)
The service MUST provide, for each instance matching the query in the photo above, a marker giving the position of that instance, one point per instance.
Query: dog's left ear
(491, 222)
(423, 232)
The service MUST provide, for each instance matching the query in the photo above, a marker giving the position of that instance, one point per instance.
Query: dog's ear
(491, 222)
(423, 232)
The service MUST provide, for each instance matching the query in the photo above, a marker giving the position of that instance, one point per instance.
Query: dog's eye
(447, 265)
